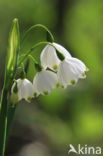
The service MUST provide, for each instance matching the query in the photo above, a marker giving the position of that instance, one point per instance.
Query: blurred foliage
(74, 115)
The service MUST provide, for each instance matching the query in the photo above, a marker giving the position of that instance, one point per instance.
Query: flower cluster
(59, 69)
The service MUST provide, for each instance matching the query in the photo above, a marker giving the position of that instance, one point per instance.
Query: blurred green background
(49, 124)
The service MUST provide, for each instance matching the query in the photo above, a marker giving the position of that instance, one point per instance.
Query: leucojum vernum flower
(57, 69)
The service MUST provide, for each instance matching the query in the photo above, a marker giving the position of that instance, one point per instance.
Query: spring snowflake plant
(57, 68)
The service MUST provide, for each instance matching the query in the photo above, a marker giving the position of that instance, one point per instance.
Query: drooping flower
(24, 89)
(49, 56)
(70, 70)
(44, 82)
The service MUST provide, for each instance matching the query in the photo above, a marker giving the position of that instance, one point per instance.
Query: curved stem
(24, 57)
(37, 26)
(3, 121)
(32, 58)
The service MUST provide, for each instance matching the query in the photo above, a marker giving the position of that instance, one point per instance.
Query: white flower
(24, 89)
(44, 82)
(49, 57)
(70, 70)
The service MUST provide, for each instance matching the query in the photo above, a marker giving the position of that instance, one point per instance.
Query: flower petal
(49, 58)
(62, 50)
(70, 70)
(80, 66)
(66, 74)
(44, 82)
(25, 89)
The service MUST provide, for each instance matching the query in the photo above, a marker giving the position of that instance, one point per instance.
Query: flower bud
(13, 49)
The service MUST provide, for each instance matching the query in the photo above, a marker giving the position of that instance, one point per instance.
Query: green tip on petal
(46, 92)
(62, 86)
(35, 94)
(87, 69)
(29, 99)
(55, 67)
(73, 82)
(84, 74)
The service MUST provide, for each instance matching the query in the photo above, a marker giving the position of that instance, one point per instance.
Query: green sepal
(38, 67)
(23, 75)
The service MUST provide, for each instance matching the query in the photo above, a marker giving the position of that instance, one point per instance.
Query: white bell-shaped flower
(49, 57)
(24, 89)
(44, 82)
(70, 70)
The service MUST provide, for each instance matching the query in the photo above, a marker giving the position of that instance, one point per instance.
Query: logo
(84, 150)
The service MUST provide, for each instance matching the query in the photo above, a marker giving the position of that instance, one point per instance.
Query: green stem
(3, 113)
(32, 58)
(37, 26)
(11, 113)
(31, 50)
(3, 121)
